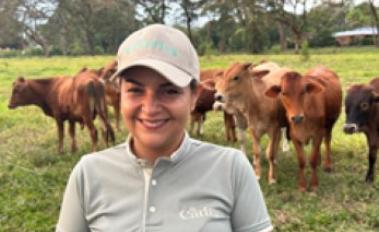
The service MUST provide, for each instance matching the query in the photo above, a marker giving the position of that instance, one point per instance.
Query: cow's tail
(98, 106)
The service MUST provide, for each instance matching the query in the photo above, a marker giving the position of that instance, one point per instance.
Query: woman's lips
(153, 123)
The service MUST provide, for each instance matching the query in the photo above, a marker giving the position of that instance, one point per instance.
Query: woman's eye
(172, 91)
(134, 90)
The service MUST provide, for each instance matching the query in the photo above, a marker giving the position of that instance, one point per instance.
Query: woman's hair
(193, 84)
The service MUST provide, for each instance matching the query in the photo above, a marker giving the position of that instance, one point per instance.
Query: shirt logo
(195, 213)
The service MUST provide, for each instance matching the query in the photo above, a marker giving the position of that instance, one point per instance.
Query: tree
(33, 15)
(191, 11)
(292, 14)
(92, 26)
(11, 29)
(156, 10)
(374, 13)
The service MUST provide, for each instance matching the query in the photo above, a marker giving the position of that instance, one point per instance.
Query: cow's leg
(371, 163)
(60, 126)
(328, 164)
(271, 152)
(72, 135)
(116, 108)
(256, 153)
(315, 160)
(372, 153)
(229, 123)
(108, 133)
(301, 160)
(93, 132)
(200, 129)
(241, 127)
(192, 123)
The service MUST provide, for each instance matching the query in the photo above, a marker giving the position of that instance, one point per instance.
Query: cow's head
(231, 85)
(359, 102)
(108, 70)
(21, 93)
(291, 92)
(105, 75)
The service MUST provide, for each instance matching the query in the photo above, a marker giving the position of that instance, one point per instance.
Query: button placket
(154, 182)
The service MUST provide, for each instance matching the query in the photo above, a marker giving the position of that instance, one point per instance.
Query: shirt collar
(174, 158)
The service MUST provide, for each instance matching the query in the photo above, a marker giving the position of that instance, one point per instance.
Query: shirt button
(152, 209)
(153, 182)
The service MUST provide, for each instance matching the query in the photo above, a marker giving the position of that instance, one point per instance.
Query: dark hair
(193, 84)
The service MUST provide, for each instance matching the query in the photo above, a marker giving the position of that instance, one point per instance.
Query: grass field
(33, 175)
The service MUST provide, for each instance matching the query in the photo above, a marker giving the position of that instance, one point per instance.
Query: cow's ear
(21, 79)
(219, 74)
(376, 97)
(312, 88)
(100, 71)
(259, 74)
(83, 69)
(208, 84)
(273, 91)
(246, 66)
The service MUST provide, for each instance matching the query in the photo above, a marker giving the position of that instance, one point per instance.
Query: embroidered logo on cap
(151, 44)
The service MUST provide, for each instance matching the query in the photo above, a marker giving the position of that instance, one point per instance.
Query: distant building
(347, 37)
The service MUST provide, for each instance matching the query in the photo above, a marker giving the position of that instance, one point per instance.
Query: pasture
(33, 175)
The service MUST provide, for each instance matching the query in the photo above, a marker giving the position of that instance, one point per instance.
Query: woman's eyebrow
(134, 82)
(167, 84)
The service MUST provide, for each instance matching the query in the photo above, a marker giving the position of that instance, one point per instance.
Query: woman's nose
(150, 104)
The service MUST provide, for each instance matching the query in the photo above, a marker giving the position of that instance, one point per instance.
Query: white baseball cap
(163, 49)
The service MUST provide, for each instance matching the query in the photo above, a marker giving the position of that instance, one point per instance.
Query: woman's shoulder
(109, 155)
(211, 149)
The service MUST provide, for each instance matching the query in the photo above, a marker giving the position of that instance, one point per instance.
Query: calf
(362, 115)
(112, 89)
(205, 102)
(313, 104)
(241, 90)
(76, 99)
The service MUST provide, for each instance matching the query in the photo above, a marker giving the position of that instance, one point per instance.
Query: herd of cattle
(264, 98)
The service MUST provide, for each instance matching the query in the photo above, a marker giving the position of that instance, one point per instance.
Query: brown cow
(242, 90)
(362, 115)
(204, 104)
(112, 89)
(313, 104)
(76, 99)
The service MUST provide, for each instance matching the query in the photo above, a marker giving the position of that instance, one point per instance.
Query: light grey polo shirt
(202, 187)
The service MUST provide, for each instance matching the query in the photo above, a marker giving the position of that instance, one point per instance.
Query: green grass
(33, 175)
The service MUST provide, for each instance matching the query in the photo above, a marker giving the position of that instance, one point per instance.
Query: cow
(78, 99)
(241, 90)
(112, 89)
(204, 104)
(362, 115)
(313, 105)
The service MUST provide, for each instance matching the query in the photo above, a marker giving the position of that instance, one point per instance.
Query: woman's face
(155, 111)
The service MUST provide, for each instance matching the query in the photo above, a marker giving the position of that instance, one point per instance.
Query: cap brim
(175, 75)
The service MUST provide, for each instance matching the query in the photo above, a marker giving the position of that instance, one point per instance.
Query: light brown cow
(204, 104)
(242, 89)
(313, 104)
(112, 89)
(76, 99)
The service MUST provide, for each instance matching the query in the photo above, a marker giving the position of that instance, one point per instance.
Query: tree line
(76, 27)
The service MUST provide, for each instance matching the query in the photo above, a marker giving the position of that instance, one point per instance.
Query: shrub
(304, 52)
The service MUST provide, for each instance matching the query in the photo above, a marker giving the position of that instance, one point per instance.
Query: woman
(161, 179)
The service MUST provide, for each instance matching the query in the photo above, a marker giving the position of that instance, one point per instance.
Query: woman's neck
(151, 154)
